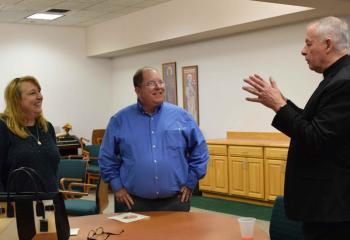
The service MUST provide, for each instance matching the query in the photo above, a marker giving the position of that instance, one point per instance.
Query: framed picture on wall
(190, 90)
(169, 77)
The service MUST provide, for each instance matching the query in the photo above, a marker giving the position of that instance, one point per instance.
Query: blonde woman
(27, 139)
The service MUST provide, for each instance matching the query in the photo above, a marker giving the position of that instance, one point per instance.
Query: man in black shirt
(317, 184)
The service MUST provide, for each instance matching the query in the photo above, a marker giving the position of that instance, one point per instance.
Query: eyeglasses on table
(100, 234)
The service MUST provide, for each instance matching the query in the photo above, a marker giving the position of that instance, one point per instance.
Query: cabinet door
(216, 150)
(255, 177)
(220, 174)
(206, 182)
(275, 174)
(275, 167)
(237, 176)
(246, 177)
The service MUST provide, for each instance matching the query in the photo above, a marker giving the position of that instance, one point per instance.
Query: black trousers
(326, 231)
(160, 204)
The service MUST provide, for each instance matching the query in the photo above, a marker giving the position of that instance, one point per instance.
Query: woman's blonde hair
(13, 115)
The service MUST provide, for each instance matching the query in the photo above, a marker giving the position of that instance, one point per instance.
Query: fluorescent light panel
(44, 16)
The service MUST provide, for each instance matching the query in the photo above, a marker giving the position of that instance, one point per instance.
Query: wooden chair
(90, 154)
(81, 207)
(71, 177)
(97, 136)
(93, 170)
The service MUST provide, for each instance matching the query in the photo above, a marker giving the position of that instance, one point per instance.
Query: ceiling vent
(57, 10)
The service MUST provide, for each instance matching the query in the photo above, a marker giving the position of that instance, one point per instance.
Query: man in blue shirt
(153, 153)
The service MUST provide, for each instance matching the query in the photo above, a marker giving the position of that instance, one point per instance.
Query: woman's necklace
(37, 139)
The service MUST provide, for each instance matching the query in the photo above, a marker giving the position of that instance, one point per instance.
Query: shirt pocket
(174, 139)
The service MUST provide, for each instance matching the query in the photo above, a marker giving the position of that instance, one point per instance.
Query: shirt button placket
(154, 147)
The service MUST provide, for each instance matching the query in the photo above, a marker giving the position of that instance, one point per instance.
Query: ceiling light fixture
(44, 16)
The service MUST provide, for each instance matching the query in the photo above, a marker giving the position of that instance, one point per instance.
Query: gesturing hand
(267, 94)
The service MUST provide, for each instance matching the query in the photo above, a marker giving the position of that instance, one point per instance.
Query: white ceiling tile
(106, 7)
(86, 1)
(34, 21)
(161, 1)
(13, 16)
(66, 22)
(129, 10)
(89, 23)
(126, 2)
(14, 8)
(82, 12)
(37, 5)
(145, 4)
(10, 1)
(86, 14)
(70, 5)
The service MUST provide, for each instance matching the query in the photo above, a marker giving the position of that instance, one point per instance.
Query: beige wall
(87, 91)
(223, 63)
(76, 89)
(178, 21)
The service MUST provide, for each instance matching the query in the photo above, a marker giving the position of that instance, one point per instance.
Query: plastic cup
(246, 224)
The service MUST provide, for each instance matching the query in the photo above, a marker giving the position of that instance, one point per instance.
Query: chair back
(93, 150)
(72, 168)
(101, 196)
(281, 228)
(97, 136)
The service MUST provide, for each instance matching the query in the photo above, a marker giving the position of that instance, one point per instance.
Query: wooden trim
(258, 135)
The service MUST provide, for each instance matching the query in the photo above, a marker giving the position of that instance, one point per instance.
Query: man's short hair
(138, 76)
(335, 29)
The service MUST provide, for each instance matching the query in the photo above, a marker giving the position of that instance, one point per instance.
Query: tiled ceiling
(81, 12)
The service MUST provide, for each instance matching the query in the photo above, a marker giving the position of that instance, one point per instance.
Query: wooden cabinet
(246, 166)
(275, 167)
(216, 179)
(205, 184)
(246, 171)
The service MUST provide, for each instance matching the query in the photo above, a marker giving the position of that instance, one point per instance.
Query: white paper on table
(74, 231)
(128, 217)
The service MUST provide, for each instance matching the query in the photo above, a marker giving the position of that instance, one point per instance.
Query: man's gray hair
(335, 29)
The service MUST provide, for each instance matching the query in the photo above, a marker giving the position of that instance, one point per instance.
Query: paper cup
(246, 224)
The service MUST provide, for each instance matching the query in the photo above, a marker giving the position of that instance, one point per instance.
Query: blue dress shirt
(153, 156)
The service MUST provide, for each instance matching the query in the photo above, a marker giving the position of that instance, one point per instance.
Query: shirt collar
(142, 110)
(335, 67)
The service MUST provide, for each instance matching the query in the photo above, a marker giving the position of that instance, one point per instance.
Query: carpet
(231, 207)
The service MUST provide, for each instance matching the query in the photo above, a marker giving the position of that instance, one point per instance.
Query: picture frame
(190, 90)
(169, 78)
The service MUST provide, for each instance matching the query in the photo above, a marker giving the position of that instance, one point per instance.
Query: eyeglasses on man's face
(100, 234)
(153, 84)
